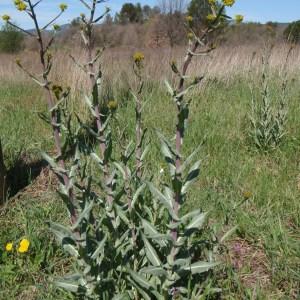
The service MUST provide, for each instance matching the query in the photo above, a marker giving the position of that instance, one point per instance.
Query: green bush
(292, 32)
(11, 39)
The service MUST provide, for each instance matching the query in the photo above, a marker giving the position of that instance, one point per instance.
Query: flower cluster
(210, 17)
(138, 57)
(63, 6)
(20, 5)
(228, 2)
(112, 104)
(212, 2)
(6, 18)
(23, 246)
(239, 19)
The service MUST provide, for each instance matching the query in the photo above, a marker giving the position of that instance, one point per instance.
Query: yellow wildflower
(112, 104)
(212, 2)
(239, 19)
(189, 19)
(210, 17)
(24, 245)
(190, 36)
(9, 247)
(247, 195)
(138, 57)
(6, 18)
(228, 2)
(63, 6)
(21, 6)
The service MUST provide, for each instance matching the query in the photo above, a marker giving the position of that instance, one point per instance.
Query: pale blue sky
(253, 10)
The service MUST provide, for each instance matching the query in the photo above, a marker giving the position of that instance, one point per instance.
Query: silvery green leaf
(121, 169)
(151, 253)
(100, 248)
(137, 194)
(121, 297)
(53, 164)
(71, 287)
(169, 88)
(228, 234)
(190, 215)
(60, 231)
(96, 158)
(140, 290)
(150, 230)
(121, 214)
(188, 160)
(85, 214)
(201, 267)
(197, 222)
(71, 250)
(164, 200)
(192, 177)
(145, 152)
(140, 280)
(156, 271)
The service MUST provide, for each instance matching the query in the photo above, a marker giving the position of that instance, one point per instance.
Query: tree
(292, 32)
(172, 17)
(200, 9)
(11, 39)
(130, 13)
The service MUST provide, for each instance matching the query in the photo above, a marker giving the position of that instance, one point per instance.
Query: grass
(261, 261)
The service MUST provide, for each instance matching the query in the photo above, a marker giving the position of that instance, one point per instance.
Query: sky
(253, 10)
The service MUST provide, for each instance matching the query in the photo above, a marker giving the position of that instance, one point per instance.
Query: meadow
(259, 192)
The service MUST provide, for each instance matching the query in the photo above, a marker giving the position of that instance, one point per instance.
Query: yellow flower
(247, 195)
(228, 2)
(112, 104)
(212, 2)
(189, 19)
(239, 19)
(9, 247)
(138, 57)
(63, 6)
(6, 18)
(21, 6)
(210, 17)
(24, 245)
(190, 36)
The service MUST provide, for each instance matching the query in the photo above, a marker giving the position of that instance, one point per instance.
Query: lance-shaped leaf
(201, 267)
(123, 296)
(163, 199)
(189, 160)
(140, 280)
(150, 231)
(53, 164)
(68, 286)
(151, 253)
(85, 214)
(96, 158)
(121, 214)
(197, 222)
(137, 194)
(169, 88)
(90, 105)
(100, 248)
(228, 234)
(156, 271)
(121, 169)
(192, 177)
(60, 231)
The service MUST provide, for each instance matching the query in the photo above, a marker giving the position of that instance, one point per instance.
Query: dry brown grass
(223, 63)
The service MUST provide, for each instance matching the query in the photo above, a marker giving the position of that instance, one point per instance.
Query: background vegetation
(258, 192)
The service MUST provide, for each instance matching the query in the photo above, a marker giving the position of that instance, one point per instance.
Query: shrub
(292, 32)
(11, 39)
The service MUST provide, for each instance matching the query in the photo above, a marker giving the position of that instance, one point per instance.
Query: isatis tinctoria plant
(128, 237)
(269, 113)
